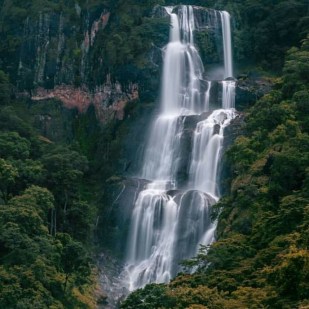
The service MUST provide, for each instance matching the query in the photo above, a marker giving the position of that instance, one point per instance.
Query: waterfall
(228, 86)
(228, 93)
(207, 145)
(169, 221)
(207, 95)
(227, 44)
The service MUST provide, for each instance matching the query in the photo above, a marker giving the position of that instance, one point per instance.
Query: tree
(8, 175)
(4, 88)
(44, 200)
(80, 216)
(74, 260)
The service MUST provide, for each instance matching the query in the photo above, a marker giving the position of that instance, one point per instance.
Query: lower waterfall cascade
(171, 216)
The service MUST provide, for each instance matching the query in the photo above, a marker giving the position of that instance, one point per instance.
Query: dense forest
(54, 208)
(46, 216)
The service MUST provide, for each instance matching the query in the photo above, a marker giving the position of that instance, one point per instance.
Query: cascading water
(227, 44)
(228, 86)
(207, 146)
(169, 223)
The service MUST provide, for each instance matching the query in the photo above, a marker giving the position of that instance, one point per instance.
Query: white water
(168, 227)
(228, 94)
(207, 146)
(228, 86)
(207, 96)
(227, 44)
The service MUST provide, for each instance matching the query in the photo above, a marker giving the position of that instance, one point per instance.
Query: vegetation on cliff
(263, 30)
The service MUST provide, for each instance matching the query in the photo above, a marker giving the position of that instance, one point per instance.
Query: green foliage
(40, 197)
(74, 260)
(79, 224)
(8, 174)
(43, 199)
(11, 122)
(206, 42)
(4, 88)
(125, 44)
(42, 264)
(63, 167)
(152, 296)
(296, 70)
(13, 146)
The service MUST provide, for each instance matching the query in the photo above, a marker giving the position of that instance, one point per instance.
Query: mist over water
(169, 222)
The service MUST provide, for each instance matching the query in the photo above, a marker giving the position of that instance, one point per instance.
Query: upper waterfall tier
(183, 68)
(227, 44)
(212, 29)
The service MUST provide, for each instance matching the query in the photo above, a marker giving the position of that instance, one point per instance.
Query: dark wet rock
(233, 79)
(159, 12)
(191, 121)
(173, 193)
(216, 129)
(189, 220)
(183, 159)
(46, 56)
(53, 120)
(120, 196)
(230, 134)
(233, 130)
(131, 187)
(188, 195)
(250, 89)
(112, 286)
(215, 97)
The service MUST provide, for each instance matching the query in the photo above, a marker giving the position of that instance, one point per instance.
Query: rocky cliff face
(58, 58)
(55, 47)
(55, 61)
(108, 99)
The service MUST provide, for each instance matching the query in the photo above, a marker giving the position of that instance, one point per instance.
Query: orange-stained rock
(109, 99)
